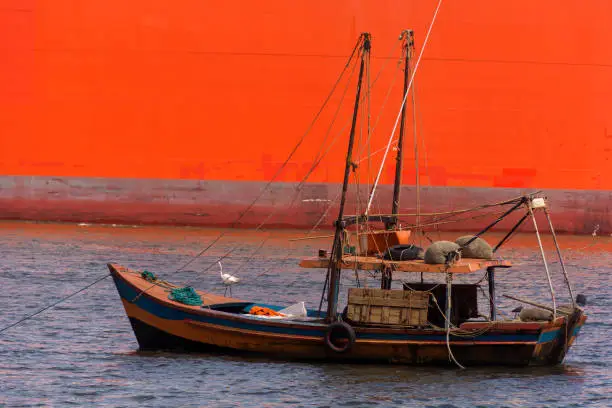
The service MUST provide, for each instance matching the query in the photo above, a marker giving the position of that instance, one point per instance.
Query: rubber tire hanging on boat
(345, 331)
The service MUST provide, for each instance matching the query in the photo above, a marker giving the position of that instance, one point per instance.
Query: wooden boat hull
(160, 323)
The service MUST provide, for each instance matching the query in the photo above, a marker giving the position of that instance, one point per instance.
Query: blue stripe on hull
(549, 336)
(318, 330)
(161, 311)
(555, 334)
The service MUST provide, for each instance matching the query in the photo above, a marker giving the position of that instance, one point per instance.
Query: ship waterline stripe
(217, 203)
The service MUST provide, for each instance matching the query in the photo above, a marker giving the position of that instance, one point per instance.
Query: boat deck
(161, 289)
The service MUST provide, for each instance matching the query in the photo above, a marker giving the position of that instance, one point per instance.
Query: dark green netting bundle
(150, 276)
(186, 295)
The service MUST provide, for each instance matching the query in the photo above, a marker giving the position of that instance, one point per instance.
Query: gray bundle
(535, 315)
(478, 249)
(437, 252)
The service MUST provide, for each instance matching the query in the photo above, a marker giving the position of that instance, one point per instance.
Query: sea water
(83, 351)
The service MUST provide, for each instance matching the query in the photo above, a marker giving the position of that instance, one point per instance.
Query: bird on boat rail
(228, 280)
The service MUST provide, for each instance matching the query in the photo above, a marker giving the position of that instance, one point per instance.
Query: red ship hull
(154, 112)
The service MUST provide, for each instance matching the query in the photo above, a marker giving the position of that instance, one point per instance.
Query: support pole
(386, 277)
(407, 38)
(491, 276)
(509, 234)
(567, 281)
(494, 223)
(449, 284)
(336, 256)
(552, 290)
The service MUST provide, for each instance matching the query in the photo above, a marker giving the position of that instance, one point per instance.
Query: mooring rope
(28, 317)
(449, 282)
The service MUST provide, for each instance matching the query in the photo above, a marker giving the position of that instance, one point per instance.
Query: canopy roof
(465, 265)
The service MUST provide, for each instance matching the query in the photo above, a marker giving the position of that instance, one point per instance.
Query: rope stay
(270, 182)
(446, 215)
(550, 284)
(565, 275)
(414, 71)
(318, 158)
(277, 173)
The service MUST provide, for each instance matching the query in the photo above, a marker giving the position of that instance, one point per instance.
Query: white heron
(228, 280)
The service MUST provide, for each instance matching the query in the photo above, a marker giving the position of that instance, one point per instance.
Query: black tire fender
(339, 329)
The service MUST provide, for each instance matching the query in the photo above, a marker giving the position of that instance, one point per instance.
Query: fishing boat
(423, 322)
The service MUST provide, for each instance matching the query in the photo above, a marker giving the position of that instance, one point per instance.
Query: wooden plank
(411, 300)
(465, 265)
(388, 293)
(383, 315)
(373, 301)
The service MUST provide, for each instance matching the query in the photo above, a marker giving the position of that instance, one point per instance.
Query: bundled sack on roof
(535, 315)
(478, 249)
(403, 253)
(438, 251)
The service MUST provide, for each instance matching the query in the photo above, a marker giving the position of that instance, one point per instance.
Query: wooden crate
(387, 307)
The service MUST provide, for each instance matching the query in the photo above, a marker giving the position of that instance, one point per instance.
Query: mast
(336, 254)
(407, 38)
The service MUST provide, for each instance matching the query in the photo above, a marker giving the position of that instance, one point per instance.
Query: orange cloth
(264, 311)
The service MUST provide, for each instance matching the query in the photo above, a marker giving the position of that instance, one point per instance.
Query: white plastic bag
(296, 310)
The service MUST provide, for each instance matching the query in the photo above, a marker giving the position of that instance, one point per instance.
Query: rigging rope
(296, 195)
(318, 157)
(295, 148)
(449, 282)
(478, 207)
(347, 123)
(416, 67)
(266, 187)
